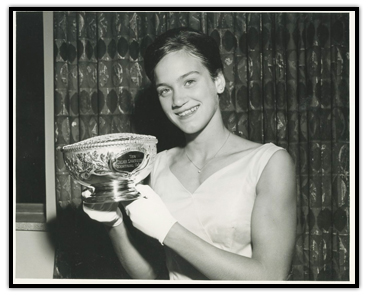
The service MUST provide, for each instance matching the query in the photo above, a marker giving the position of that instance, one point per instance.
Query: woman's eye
(189, 82)
(163, 92)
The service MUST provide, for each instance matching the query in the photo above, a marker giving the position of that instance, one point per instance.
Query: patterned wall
(287, 77)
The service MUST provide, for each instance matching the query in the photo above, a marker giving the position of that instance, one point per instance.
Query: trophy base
(112, 192)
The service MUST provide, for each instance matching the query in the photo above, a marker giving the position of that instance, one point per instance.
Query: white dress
(220, 209)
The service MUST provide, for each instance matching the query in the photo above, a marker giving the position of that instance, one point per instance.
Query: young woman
(223, 207)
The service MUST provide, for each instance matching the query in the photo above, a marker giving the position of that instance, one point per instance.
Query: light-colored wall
(48, 51)
(34, 255)
(34, 252)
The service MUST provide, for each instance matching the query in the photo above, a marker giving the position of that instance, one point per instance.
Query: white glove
(107, 213)
(149, 214)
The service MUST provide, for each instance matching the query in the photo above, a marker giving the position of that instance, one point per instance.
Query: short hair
(193, 42)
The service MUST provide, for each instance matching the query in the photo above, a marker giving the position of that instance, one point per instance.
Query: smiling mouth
(188, 112)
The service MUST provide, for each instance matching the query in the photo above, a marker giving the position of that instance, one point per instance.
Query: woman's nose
(178, 100)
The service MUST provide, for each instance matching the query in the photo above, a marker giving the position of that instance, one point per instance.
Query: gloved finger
(110, 218)
(131, 207)
(147, 191)
(101, 207)
(126, 203)
(86, 193)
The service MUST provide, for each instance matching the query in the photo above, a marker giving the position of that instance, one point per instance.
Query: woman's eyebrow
(187, 74)
(180, 78)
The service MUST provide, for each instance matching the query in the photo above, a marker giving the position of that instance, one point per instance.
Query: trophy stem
(113, 191)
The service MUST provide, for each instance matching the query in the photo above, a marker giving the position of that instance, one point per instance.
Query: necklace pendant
(199, 171)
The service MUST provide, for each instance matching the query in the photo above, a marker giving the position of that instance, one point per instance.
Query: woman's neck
(207, 142)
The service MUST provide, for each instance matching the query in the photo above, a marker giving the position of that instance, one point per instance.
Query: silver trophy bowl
(111, 165)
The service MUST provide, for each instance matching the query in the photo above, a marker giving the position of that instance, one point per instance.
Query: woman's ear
(220, 82)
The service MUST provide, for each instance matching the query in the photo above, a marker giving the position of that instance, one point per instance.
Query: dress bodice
(219, 211)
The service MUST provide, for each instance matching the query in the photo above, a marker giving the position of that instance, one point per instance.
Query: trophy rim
(112, 139)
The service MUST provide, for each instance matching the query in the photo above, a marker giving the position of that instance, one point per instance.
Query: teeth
(187, 112)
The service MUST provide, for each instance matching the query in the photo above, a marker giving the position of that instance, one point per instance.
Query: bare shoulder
(174, 154)
(174, 151)
(279, 174)
(280, 160)
(239, 144)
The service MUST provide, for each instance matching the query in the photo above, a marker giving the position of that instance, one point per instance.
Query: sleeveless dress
(220, 209)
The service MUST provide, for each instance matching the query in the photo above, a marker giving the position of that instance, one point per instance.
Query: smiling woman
(219, 205)
(287, 83)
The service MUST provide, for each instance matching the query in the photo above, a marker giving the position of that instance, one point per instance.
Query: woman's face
(187, 93)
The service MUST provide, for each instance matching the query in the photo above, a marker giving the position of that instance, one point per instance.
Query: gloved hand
(107, 213)
(149, 214)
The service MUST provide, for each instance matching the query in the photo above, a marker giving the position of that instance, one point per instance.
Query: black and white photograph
(184, 146)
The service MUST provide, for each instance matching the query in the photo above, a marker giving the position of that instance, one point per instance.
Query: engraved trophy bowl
(111, 165)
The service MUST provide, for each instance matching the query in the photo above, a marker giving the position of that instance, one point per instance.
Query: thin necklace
(200, 169)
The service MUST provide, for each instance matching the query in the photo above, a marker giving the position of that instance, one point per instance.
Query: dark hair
(195, 43)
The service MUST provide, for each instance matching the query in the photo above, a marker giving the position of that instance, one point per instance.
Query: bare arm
(138, 255)
(274, 216)
(273, 232)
